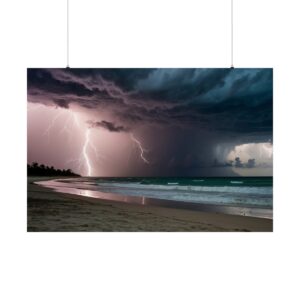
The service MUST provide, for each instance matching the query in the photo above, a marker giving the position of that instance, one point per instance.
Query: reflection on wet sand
(81, 189)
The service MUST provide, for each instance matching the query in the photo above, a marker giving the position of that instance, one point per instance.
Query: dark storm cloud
(61, 103)
(234, 101)
(45, 81)
(239, 164)
(251, 163)
(63, 88)
(108, 126)
(191, 110)
(181, 84)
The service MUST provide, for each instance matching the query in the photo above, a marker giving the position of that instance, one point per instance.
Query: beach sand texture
(51, 211)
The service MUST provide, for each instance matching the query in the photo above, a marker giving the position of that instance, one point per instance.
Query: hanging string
(232, 34)
(68, 34)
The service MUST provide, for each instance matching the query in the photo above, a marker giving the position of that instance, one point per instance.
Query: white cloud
(261, 152)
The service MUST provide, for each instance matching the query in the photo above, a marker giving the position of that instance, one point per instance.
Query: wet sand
(51, 211)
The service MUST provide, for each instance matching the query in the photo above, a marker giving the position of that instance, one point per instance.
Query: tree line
(36, 169)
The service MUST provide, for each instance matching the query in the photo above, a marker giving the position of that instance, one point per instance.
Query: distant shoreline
(48, 210)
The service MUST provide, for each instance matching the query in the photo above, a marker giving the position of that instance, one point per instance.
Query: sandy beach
(51, 211)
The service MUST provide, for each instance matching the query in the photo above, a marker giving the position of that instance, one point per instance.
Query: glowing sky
(152, 122)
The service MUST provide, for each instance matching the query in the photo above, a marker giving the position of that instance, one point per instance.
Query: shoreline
(49, 210)
(65, 186)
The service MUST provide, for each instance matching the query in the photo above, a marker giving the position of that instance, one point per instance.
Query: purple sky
(152, 122)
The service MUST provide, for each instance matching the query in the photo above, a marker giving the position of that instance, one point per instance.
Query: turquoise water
(240, 191)
(195, 181)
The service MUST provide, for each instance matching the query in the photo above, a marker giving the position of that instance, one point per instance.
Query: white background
(156, 33)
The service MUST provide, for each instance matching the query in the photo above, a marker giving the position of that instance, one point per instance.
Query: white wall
(156, 33)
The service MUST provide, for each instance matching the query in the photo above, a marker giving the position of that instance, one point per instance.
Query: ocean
(251, 196)
(247, 191)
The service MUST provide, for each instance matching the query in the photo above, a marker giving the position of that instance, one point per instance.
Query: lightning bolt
(51, 125)
(72, 124)
(84, 158)
(99, 156)
(85, 154)
(65, 128)
(142, 150)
